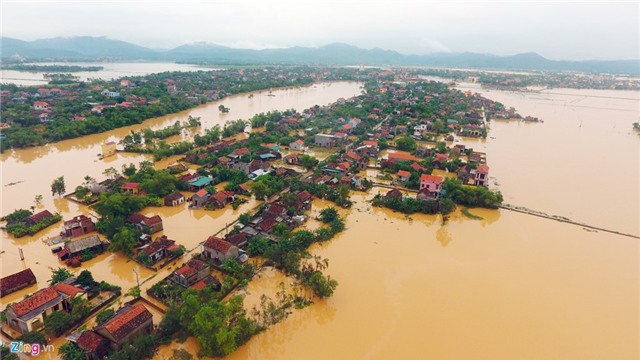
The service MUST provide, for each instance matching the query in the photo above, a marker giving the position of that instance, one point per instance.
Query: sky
(556, 30)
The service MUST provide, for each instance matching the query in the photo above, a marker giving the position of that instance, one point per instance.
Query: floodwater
(112, 70)
(29, 172)
(506, 286)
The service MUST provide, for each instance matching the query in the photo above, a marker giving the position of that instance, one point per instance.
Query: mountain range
(100, 48)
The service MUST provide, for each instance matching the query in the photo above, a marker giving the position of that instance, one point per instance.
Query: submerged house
(219, 250)
(191, 273)
(78, 226)
(75, 248)
(14, 282)
(128, 323)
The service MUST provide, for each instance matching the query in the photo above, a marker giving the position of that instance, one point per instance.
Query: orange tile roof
(403, 173)
(34, 301)
(67, 289)
(127, 321)
(431, 178)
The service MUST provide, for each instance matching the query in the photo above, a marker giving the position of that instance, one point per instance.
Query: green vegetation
(33, 337)
(59, 275)
(57, 186)
(406, 143)
(104, 315)
(6, 354)
(471, 196)
(71, 351)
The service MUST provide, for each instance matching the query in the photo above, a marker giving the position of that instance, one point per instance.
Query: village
(397, 138)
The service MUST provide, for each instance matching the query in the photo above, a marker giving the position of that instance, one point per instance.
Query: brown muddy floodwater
(29, 172)
(508, 286)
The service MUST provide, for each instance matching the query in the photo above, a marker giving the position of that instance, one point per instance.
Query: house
(190, 273)
(239, 239)
(14, 282)
(237, 153)
(128, 323)
(158, 249)
(177, 168)
(393, 194)
(267, 224)
(355, 160)
(221, 198)
(440, 161)
(199, 183)
(75, 248)
(151, 224)
(324, 140)
(111, 94)
(244, 188)
(200, 198)
(36, 218)
(481, 175)
(292, 159)
(174, 199)
(94, 345)
(477, 157)
(78, 226)
(432, 183)
(130, 187)
(40, 105)
(403, 175)
(417, 167)
(305, 199)
(219, 250)
(297, 145)
(426, 195)
(125, 83)
(30, 313)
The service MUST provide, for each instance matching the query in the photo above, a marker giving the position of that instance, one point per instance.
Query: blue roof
(201, 181)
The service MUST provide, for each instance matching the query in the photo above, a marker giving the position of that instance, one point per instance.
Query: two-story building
(431, 183)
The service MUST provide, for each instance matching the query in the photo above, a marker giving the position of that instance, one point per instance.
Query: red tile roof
(218, 244)
(201, 193)
(403, 173)
(199, 285)
(127, 321)
(44, 214)
(241, 151)
(304, 196)
(267, 224)
(130, 185)
(483, 169)
(91, 341)
(35, 301)
(153, 220)
(16, 281)
(67, 289)
(401, 156)
(431, 178)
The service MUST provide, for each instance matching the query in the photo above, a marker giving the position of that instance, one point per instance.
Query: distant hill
(92, 48)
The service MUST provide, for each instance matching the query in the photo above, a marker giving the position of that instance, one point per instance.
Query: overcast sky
(568, 30)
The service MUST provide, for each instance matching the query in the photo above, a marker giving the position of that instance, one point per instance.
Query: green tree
(104, 315)
(81, 192)
(33, 337)
(308, 162)
(57, 186)
(446, 206)
(244, 219)
(124, 240)
(259, 190)
(406, 143)
(38, 199)
(322, 286)
(60, 275)
(382, 143)
(71, 351)
(328, 215)
(86, 278)
(57, 323)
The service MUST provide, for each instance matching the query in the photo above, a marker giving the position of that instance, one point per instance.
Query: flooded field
(111, 71)
(508, 286)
